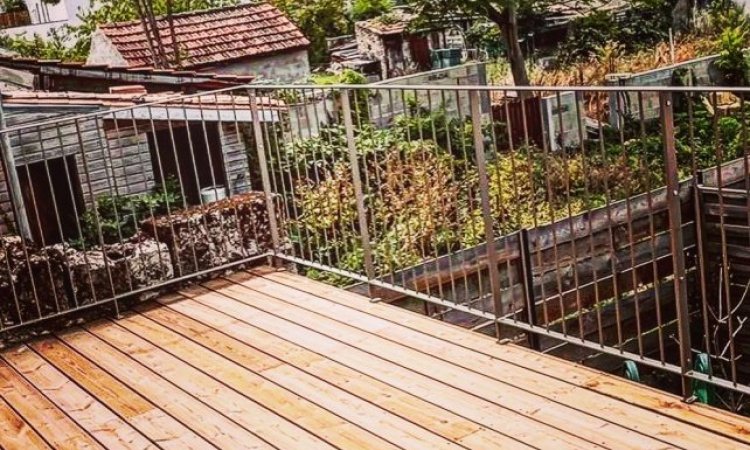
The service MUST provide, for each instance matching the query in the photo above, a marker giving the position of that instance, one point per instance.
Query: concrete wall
(561, 120)
(286, 67)
(627, 104)
(389, 103)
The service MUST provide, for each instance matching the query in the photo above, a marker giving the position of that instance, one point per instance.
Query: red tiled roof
(211, 36)
(133, 97)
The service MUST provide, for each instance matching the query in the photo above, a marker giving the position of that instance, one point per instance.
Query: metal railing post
(14, 184)
(666, 108)
(346, 111)
(528, 286)
(264, 175)
(484, 192)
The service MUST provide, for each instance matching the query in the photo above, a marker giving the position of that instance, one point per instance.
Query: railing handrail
(376, 87)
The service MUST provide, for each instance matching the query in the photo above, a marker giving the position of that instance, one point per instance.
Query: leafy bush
(644, 24)
(118, 217)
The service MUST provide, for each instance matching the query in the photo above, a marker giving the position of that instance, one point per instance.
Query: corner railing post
(666, 108)
(484, 192)
(264, 175)
(346, 111)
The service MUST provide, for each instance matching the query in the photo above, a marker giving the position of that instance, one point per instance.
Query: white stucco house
(40, 18)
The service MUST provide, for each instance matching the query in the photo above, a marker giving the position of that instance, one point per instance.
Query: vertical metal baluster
(530, 312)
(546, 156)
(587, 189)
(492, 258)
(361, 211)
(185, 205)
(569, 219)
(677, 243)
(229, 188)
(454, 226)
(524, 271)
(265, 179)
(312, 238)
(157, 152)
(271, 143)
(534, 210)
(117, 192)
(726, 269)
(35, 208)
(97, 222)
(318, 136)
(700, 235)
(74, 203)
(652, 237)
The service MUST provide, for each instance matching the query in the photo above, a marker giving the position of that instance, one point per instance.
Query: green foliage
(74, 42)
(732, 60)
(13, 5)
(486, 37)
(118, 217)
(643, 25)
(318, 19)
(368, 9)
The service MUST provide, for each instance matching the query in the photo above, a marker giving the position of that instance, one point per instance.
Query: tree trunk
(507, 20)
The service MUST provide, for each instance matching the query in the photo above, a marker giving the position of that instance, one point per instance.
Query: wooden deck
(271, 359)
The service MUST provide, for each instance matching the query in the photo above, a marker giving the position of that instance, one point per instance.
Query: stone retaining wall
(40, 282)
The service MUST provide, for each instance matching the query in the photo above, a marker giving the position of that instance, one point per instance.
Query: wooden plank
(339, 418)
(207, 422)
(526, 402)
(415, 349)
(128, 404)
(223, 315)
(88, 412)
(260, 421)
(52, 424)
(272, 352)
(15, 433)
(718, 421)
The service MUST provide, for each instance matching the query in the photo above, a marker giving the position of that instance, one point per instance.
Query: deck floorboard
(269, 359)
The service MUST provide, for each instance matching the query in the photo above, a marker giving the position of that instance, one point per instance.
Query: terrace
(235, 269)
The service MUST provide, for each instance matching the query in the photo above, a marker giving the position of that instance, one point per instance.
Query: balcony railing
(613, 219)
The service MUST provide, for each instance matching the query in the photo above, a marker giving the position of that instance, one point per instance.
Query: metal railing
(613, 219)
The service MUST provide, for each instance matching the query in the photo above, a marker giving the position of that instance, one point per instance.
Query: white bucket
(213, 194)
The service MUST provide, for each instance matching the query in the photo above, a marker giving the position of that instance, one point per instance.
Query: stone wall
(39, 282)
(285, 67)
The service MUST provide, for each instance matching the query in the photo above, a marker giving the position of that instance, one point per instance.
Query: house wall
(116, 159)
(285, 67)
(371, 44)
(46, 17)
(236, 164)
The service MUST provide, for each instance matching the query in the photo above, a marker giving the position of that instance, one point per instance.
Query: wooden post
(14, 183)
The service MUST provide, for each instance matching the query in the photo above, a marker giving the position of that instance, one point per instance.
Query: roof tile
(211, 36)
